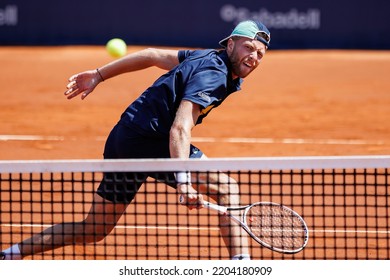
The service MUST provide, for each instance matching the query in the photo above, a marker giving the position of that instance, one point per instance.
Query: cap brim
(223, 42)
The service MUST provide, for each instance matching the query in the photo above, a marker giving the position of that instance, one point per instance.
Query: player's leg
(225, 190)
(106, 209)
(99, 222)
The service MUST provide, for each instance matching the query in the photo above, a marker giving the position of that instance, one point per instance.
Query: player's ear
(230, 45)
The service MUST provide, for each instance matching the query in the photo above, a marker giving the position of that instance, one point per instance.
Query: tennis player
(158, 124)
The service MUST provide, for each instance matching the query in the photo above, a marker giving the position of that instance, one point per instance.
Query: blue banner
(303, 24)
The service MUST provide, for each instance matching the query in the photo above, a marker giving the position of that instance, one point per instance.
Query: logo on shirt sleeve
(204, 96)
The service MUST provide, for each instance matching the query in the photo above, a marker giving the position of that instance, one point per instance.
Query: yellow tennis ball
(116, 47)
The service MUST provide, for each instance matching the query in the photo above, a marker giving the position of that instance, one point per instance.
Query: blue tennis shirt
(202, 77)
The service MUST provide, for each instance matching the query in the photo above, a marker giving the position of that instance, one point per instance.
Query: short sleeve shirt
(202, 77)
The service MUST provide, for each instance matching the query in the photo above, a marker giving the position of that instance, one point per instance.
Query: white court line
(332, 231)
(237, 140)
(350, 231)
(119, 227)
(288, 141)
(30, 138)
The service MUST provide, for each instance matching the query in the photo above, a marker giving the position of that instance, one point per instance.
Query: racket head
(276, 227)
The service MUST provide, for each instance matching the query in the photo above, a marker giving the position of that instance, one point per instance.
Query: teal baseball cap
(250, 29)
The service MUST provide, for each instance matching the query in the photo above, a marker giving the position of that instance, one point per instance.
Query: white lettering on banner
(9, 16)
(293, 19)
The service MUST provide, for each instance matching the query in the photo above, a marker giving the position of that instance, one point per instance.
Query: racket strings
(276, 226)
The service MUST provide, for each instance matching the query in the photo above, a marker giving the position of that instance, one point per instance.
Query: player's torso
(202, 77)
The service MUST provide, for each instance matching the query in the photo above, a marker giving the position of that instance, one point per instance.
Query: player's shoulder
(197, 54)
(205, 58)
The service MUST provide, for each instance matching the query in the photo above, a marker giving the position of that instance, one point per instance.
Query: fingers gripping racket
(273, 225)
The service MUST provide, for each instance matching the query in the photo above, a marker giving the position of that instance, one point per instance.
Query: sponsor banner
(301, 24)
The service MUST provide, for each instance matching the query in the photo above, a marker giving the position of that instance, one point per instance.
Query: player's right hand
(83, 83)
(189, 197)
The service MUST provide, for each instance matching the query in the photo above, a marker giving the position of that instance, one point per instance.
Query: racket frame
(226, 211)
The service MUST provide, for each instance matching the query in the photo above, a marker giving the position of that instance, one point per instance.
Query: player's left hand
(83, 83)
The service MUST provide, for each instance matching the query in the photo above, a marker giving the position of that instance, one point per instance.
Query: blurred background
(302, 24)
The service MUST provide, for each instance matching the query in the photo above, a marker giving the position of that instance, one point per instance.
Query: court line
(119, 227)
(332, 231)
(288, 141)
(351, 231)
(6, 137)
(238, 140)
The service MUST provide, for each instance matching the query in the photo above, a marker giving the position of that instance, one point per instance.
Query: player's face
(245, 55)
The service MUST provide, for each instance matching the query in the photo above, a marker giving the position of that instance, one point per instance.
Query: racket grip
(209, 205)
(219, 208)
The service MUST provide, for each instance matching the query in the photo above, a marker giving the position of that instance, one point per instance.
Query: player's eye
(249, 48)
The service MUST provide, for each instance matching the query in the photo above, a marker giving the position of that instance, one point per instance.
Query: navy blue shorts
(125, 143)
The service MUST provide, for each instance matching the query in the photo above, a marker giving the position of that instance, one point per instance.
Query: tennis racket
(273, 225)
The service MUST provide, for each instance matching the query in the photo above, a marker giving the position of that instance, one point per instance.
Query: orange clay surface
(297, 103)
(327, 102)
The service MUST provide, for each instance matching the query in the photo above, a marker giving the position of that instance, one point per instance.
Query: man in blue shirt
(158, 124)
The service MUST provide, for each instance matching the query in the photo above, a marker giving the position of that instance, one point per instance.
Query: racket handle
(219, 208)
(209, 205)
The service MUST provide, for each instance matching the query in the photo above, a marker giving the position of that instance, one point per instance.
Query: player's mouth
(250, 64)
(244, 68)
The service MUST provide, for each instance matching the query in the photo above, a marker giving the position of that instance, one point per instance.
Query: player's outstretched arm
(162, 58)
(84, 83)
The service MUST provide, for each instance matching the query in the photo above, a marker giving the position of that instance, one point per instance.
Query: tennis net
(344, 201)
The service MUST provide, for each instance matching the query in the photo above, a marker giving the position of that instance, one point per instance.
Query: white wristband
(183, 177)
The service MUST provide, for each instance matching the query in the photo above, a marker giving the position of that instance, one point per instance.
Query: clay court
(297, 103)
(325, 102)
